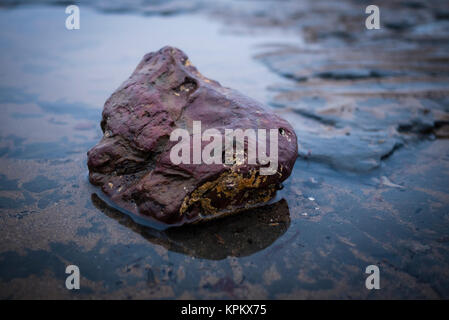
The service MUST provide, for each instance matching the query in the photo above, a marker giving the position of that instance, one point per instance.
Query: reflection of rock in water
(237, 235)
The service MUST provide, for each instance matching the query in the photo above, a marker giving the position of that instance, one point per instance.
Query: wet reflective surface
(238, 236)
(370, 185)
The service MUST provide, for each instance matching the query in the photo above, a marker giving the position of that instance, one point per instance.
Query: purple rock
(132, 162)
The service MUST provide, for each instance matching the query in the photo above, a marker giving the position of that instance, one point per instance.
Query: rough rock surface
(132, 161)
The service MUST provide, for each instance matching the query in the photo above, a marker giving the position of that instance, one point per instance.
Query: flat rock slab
(132, 161)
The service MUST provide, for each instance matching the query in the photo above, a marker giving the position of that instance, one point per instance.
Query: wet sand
(370, 109)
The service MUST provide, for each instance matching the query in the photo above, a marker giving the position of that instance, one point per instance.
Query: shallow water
(330, 221)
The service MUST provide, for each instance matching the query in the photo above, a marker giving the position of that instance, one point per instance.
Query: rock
(132, 162)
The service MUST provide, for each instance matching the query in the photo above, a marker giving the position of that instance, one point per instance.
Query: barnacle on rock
(229, 185)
